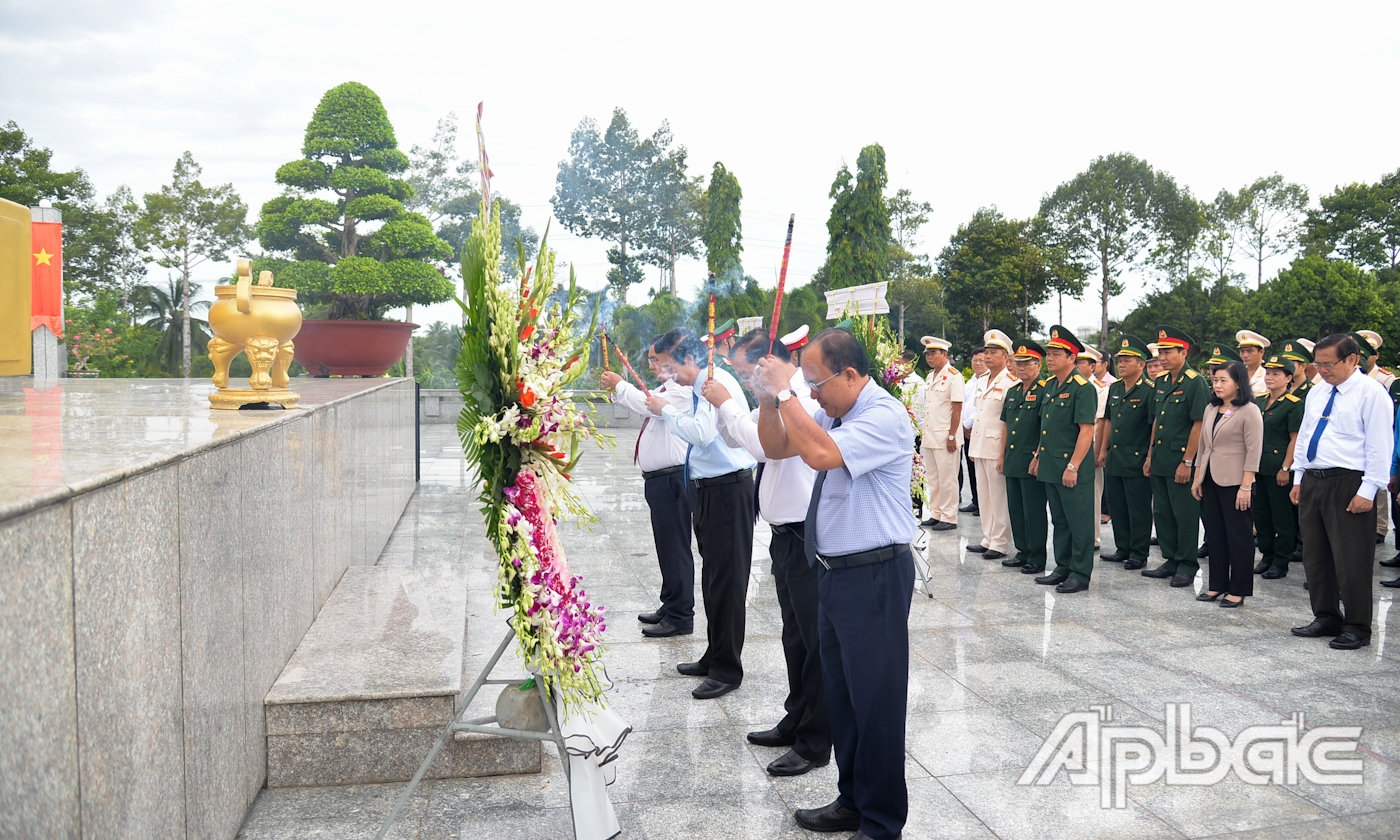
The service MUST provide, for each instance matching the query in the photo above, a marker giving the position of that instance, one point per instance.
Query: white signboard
(748, 324)
(857, 300)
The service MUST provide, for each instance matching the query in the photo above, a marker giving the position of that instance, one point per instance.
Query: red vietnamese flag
(46, 281)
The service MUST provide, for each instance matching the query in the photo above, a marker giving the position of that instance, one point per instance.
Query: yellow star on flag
(43, 257)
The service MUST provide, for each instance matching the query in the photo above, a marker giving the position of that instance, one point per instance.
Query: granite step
(374, 681)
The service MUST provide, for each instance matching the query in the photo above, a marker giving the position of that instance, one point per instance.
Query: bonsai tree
(347, 244)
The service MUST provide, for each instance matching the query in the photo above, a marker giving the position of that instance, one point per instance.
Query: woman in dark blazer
(1232, 440)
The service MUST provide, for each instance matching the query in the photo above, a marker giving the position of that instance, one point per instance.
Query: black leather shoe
(1206, 596)
(827, 818)
(664, 629)
(968, 508)
(1380, 539)
(1160, 572)
(1297, 555)
(710, 689)
(993, 555)
(1134, 565)
(771, 738)
(650, 618)
(861, 835)
(1392, 563)
(1179, 580)
(1229, 605)
(1262, 566)
(929, 523)
(1349, 641)
(1013, 562)
(977, 549)
(1071, 585)
(1052, 579)
(943, 526)
(1202, 552)
(1274, 573)
(1115, 557)
(1316, 630)
(693, 669)
(1032, 570)
(1393, 584)
(1152, 541)
(792, 764)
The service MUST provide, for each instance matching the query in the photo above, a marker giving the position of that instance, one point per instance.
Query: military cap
(1027, 349)
(1372, 337)
(1223, 354)
(997, 338)
(1367, 349)
(723, 332)
(1169, 336)
(1296, 350)
(931, 343)
(1131, 345)
(1282, 363)
(796, 339)
(1062, 338)
(1091, 354)
(1153, 347)
(845, 324)
(1248, 338)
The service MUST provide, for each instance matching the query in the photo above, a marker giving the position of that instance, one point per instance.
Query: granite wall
(143, 621)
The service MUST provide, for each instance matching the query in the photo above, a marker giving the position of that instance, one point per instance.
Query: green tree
(1107, 216)
(360, 253)
(602, 191)
(675, 225)
(1207, 312)
(187, 224)
(1315, 297)
(167, 312)
(858, 230)
(107, 256)
(1361, 223)
(907, 217)
(723, 231)
(1269, 216)
(1216, 245)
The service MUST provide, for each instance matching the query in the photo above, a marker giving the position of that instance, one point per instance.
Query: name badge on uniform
(1063, 396)
(1177, 393)
(1031, 397)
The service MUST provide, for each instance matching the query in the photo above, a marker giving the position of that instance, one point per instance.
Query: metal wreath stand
(486, 726)
(919, 549)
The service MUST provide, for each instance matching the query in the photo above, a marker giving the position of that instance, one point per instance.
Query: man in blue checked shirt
(723, 477)
(858, 529)
(1342, 461)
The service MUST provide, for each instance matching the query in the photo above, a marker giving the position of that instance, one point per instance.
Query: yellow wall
(16, 348)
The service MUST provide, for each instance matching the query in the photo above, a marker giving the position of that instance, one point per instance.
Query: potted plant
(340, 236)
(85, 343)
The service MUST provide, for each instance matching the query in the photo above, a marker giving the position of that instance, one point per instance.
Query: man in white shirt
(984, 448)
(1253, 347)
(973, 387)
(670, 498)
(784, 492)
(1342, 462)
(942, 434)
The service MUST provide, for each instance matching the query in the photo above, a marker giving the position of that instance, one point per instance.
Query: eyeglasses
(1329, 365)
(813, 386)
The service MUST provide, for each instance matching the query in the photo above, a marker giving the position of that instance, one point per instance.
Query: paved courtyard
(996, 661)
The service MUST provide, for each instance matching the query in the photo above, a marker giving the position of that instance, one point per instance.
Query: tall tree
(1106, 217)
(1216, 245)
(675, 225)
(167, 312)
(1269, 218)
(107, 257)
(723, 230)
(1361, 222)
(360, 253)
(858, 231)
(907, 217)
(601, 191)
(187, 224)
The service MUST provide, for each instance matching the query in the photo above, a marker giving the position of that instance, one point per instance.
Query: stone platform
(162, 561)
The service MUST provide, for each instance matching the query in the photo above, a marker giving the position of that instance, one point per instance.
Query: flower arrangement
(891, 372)
(524, 437)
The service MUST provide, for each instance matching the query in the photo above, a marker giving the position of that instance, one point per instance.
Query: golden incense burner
(259, 321)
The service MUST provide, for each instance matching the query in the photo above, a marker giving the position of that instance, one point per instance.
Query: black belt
(1333, 472)
(663, 471)
(862, 558)
(728, 478)
(795, 528)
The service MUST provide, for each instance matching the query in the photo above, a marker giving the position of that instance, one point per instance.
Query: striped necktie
(1321, 424)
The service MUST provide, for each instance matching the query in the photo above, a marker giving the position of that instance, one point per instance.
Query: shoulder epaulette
(1164, 373)
(1292, 397)
(1191, 373)
(1079, 380)
(1042, 382)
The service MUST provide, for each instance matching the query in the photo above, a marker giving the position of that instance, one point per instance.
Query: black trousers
(724, 535)
(1229, 538)
(1275, 520)
(971, 474)
(863, 622)
(806, 721)
(671, 500)
(1338, 550)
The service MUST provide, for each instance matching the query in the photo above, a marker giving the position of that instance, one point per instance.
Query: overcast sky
(976, 104)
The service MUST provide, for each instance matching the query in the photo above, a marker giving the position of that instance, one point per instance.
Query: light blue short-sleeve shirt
(865, 504)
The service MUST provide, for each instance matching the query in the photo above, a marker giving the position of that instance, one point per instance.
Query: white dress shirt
(697, 424)
(978, 383)
(785, 490)
(1358, 436)
(657, 448)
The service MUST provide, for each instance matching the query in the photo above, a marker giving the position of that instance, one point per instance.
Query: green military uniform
(1067, 406)
(1274, 521)
(1025, 495)
(1129, 413)
(1294, 351)
(1180, 404)
(723, 333)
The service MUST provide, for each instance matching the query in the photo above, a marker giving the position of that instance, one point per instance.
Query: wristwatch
(952, 437)
(1190, 462)
(1071, 467)
(782, 397)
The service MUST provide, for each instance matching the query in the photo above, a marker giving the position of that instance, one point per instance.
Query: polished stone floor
(996, 662)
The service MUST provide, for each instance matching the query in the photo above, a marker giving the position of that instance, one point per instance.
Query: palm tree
(164, 312)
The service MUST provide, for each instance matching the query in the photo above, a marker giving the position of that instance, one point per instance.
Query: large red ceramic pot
(351, 348)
